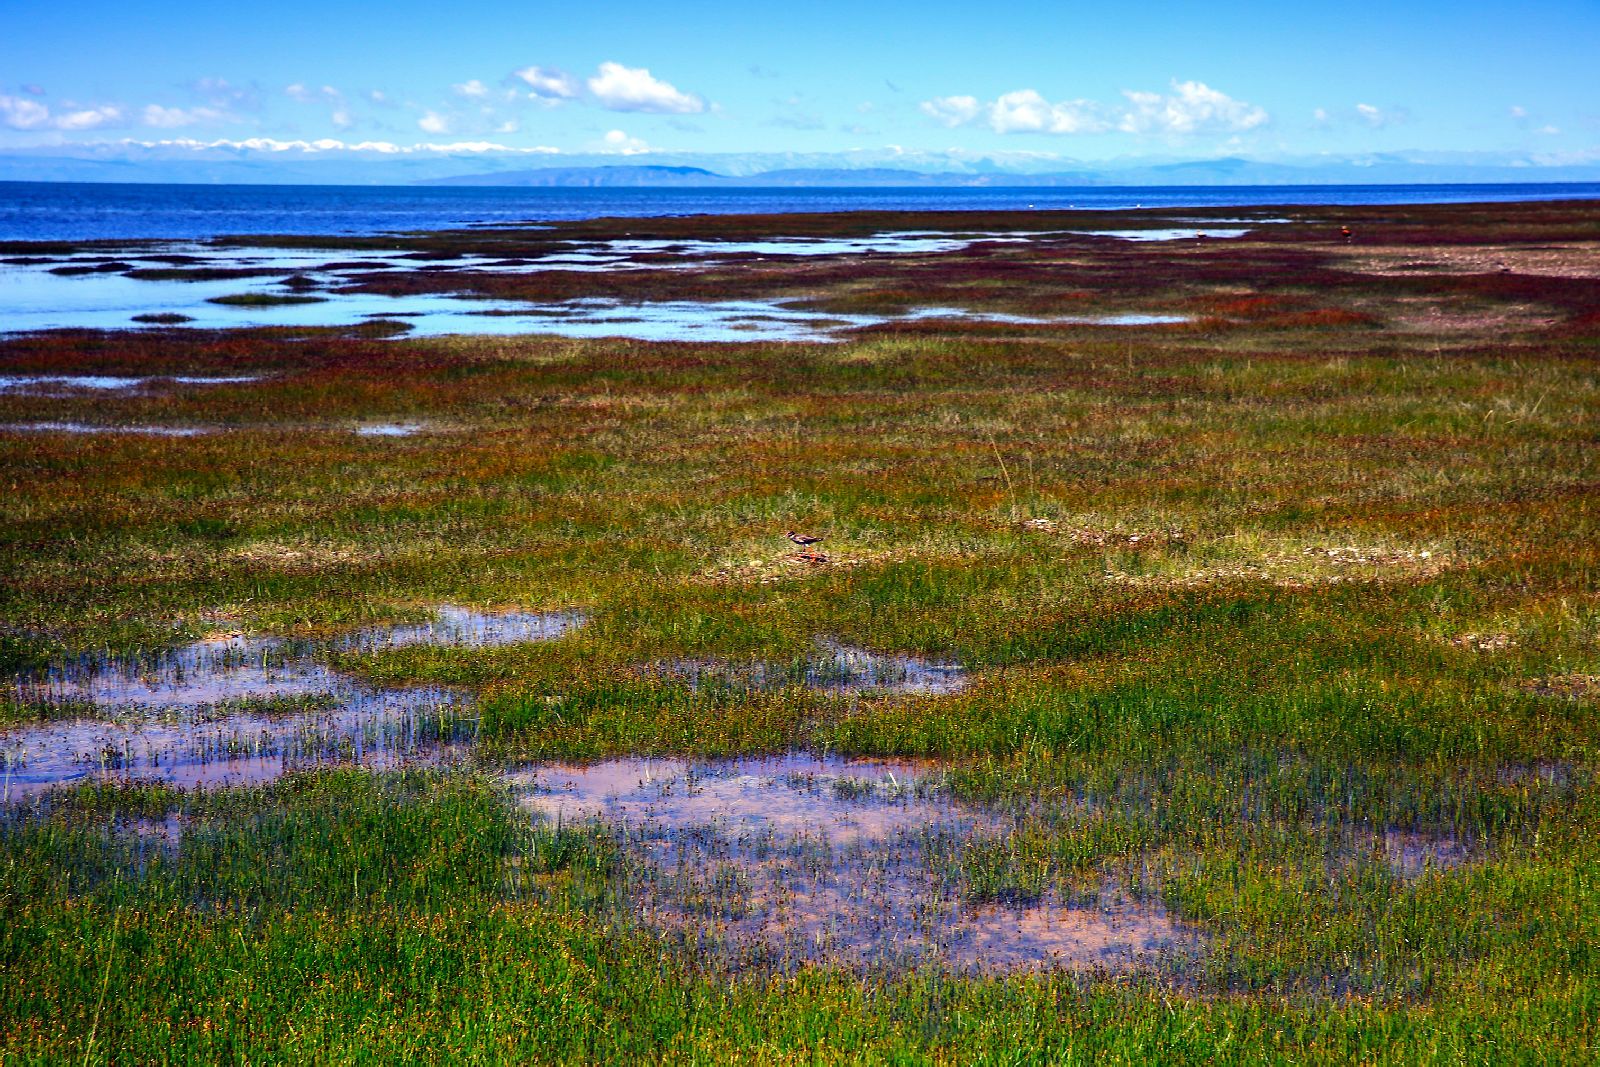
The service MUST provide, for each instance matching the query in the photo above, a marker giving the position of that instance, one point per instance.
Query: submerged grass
(1280, 618)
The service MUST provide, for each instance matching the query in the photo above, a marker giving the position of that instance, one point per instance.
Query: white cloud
(621, 88)
(1191, 107)
(1025, 111)
(1378, 117)
(90, 118)
(1518, 111)
(951, 111)
(548, 83)
(433, 122)
(473, 89)
(1550, 129)
(21, 114)
(329, 144)
(341, 118)
(172, 117)
(619, 142)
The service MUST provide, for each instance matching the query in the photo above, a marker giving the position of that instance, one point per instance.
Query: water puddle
(85, 428)
(453, 627)
(1411, 854)
(217, 287)
(865, 863)
(664, 320)
(1173, 234)
(907, 243)
(67, 384)
(112, 302)
(1130, 319)
(390, 429)
(238, 710)
(833, 668)
(223, 746)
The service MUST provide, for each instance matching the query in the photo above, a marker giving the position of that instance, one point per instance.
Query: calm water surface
(36, 211)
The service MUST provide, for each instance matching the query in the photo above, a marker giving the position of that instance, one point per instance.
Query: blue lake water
(33, 211)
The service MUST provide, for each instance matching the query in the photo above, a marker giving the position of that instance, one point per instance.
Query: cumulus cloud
(434, 123)
(548, 83)
(89, 118)
(951, 111)
(621, 88)
(1518, 111)
(473, 89)
(621, 143)
(1025, 111)
(20, 114)
(1190, 107)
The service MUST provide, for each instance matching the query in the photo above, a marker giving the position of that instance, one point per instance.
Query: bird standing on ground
(803, 540)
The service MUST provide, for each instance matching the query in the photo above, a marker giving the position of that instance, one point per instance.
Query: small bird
(803, 539)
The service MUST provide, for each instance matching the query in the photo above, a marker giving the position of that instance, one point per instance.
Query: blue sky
(1154, 80)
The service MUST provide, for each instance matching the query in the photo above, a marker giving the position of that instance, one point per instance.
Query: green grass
(1243, 603)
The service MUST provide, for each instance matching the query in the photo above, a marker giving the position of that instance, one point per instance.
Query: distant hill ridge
(1227, 171)
(223, 164)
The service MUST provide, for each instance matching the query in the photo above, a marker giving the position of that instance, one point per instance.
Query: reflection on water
(858, 862)
(239, 709)
(1131, 319)
(66, 384)
(1185, 233)
(833, 668)
(177, 287)
(464, 628)
(390, 429)
(82, 428)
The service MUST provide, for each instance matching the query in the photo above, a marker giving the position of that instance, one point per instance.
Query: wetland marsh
(1199, 660)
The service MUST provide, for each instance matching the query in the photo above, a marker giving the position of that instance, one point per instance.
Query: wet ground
(860, 862)
(241, 710)
(831, 668)
(220, 287)
(71, 384)
(238, 710)
(87, 428)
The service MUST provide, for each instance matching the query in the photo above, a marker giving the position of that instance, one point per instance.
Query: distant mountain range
(1209, 172)
(330, 163)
